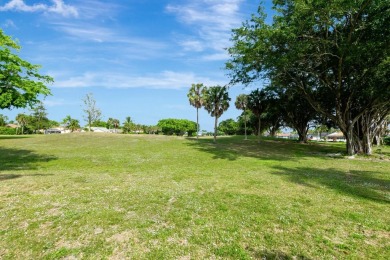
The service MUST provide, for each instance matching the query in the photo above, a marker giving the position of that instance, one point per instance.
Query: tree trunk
(246, 138)
(197, 123)
(259, 130)
(215, 129)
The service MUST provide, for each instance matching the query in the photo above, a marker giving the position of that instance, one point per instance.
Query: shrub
(7, 131)
(177, 126)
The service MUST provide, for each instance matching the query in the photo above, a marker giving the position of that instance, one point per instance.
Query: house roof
(336, 134)
(11, 126)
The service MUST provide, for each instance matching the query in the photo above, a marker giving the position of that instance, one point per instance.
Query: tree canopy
(172, 126)
(216, 102)
(336, 54)
(20, 81)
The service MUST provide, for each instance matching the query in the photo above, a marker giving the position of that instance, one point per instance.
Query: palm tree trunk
(259, 131)
(197, 123)
(215, 129)
(246, 138)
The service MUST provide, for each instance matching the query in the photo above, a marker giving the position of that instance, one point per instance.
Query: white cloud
(58, 7)
(9, 24)
(163, 80)
(213, 21)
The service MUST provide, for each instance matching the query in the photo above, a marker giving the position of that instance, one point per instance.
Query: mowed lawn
(111, 196)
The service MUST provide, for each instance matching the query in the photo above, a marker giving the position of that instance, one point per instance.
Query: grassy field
(95, 196)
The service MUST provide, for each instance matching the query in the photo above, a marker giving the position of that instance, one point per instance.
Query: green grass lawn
(96, 196)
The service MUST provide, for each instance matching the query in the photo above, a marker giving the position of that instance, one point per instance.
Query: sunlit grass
(113, 196)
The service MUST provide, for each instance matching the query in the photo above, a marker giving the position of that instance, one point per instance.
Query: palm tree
(242, 104)
(73, 125)
(256, 104)
(22, 120)
(115, 123)
(66, 121)
(127, 125)
(216, 101)
(196, 98)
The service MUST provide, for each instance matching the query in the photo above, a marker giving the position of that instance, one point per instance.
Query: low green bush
(7, 130)
(386, 140)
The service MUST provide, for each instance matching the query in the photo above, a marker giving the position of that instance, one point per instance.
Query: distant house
(52, 131)
(336, 137)
(287, 136)
(11, 126)
(283, 135)
(100, 130)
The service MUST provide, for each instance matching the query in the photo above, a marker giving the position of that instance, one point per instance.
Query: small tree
(228, 127)
(256, 104)
(39, 115)
(242, 104)
(22, 120)
(3, 120)
(196, 98)
(74, 125)
(66, 121)
(216, 102)
(178, 127)
(127, 125)
(92, 113)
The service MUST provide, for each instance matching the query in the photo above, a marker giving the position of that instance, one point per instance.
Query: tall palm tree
(216, 102)
(22, 120)
(115, 123)
(242, 104)
(66, 121)
(127, 125)
(196, 98)
(256, 104)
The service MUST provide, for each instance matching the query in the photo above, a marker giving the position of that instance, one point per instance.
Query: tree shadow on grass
(276, 254)
(20, 159)
(6, 137)
(359, 184)
(268, 149)
(4, 177)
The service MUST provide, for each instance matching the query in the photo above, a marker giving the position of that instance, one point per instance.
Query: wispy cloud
(58, 7)
(9, 24)
(163, 80)
(213, 21)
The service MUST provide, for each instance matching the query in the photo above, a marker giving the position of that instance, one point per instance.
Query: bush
(172, 126)
(386, 140)
(7, 131)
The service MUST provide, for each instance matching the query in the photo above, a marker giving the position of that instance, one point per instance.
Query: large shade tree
(336, 54)
(216, 102)
(196, 97)
(20, 82)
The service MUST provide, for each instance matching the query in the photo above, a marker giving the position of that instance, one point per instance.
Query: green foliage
(99, 123)
(386, 140)
(7, 131)
(178, 127)
(196, 96)
(333, 53)
(3, 120)
(228, 126)
(20, 81)
(216, 102)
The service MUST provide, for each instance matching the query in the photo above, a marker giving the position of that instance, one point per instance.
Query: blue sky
(138, 57)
